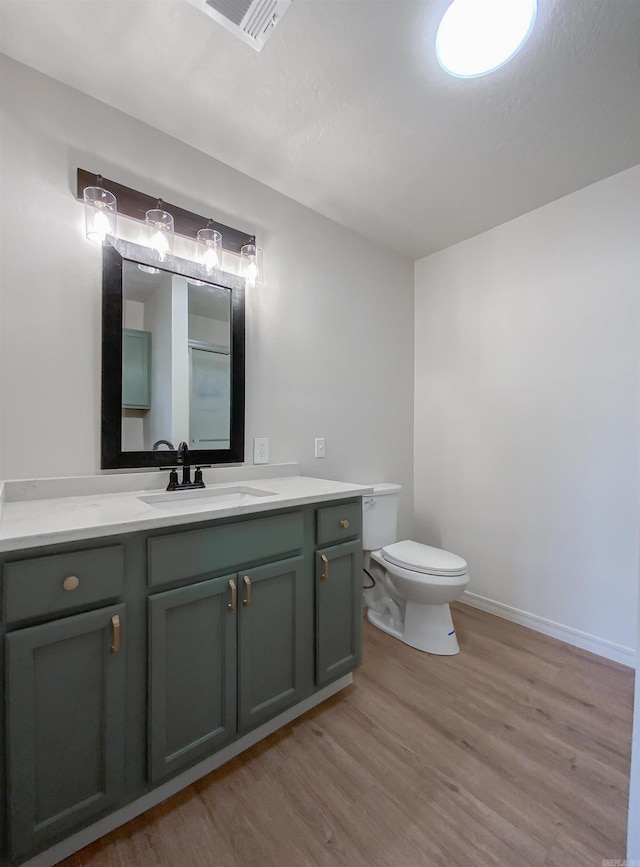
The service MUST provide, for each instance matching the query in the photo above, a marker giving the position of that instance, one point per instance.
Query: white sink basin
(228, 495)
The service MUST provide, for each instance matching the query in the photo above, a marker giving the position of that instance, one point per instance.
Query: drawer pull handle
(71, 582)
(115, 623)
(247, 583)
(344, 524)
(234, 595)
(325, 563)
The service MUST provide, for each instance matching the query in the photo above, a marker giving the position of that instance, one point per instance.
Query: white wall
(526, 414)
(633, 832)
(179, 360)
(329, 336)
(158, 321)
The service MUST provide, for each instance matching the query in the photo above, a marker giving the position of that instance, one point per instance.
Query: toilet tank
(380, 516)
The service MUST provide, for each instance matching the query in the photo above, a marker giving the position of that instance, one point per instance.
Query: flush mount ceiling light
(477, 36)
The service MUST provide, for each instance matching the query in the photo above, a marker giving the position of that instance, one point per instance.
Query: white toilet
(414, 583)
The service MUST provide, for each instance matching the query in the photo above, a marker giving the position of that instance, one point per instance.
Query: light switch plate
(261, 450)
(319, 447)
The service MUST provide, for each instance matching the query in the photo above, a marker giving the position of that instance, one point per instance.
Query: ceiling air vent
(253, 21)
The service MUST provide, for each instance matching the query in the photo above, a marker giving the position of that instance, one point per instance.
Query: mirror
(172, 361)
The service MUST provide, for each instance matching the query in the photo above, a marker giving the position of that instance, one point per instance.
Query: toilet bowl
(413, 583)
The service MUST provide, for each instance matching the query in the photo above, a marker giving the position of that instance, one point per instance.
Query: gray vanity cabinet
(192, 674)
(338, 584)
(65, 728)
(229, 623)
(224, 656)
(338, 610)
(273, 609)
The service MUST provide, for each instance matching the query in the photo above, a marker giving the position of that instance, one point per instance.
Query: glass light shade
(209, 250)
(160, 234)
(100, 214)
(252, 269)
(477, 36)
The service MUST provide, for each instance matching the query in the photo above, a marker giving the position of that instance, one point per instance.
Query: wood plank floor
(515, 752)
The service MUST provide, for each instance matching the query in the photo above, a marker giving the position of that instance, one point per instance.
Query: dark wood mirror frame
(112, 455)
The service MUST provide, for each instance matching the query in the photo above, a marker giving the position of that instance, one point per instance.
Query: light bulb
(161, 236)
(160, 245)
(251, 273)
(210, 259)
(210, 246)
(101, 227)
(252, 269)
(100, 214)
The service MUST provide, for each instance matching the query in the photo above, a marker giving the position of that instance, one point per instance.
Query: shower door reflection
(210, 405)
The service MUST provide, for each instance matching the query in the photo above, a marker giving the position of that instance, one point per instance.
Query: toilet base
(426, 627)
(384, 622)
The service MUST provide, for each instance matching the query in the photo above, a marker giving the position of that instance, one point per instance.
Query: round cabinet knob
(71, 582)
(344, 524)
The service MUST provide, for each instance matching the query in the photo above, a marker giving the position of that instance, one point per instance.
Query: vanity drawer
(338, 523)
(197, 553)
(47, 585)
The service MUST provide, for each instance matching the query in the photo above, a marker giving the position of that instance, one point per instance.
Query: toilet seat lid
(424, 558)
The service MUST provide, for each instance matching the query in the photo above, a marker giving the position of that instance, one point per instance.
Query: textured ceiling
(346, 110)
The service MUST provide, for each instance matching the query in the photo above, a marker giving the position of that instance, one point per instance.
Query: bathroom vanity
(146, 640)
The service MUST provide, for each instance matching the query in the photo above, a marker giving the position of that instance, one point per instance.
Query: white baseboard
(616, 652)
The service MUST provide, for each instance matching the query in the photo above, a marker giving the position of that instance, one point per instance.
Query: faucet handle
(173, 479)
(197, 479)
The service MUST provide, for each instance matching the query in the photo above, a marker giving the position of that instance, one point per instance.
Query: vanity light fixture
(100, 212)
(252, 270)
(478, 36)
(209, 249)
(163, 222)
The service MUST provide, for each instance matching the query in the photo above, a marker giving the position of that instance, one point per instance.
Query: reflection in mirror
(173, 363)
(176, 373)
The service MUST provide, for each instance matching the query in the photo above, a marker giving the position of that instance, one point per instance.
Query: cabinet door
(338, 611)
(271, 643)
(192, 667)
(136, 369)
(65, 728)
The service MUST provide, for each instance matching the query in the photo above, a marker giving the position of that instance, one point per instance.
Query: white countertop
(49, 511)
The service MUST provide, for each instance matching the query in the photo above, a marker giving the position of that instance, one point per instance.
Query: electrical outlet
(319, 447)
(261, 450)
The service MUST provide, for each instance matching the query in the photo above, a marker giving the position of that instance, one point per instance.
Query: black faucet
(182, 460)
